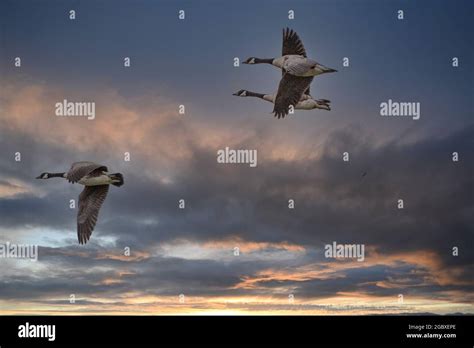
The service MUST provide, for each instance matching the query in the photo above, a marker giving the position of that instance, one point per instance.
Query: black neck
(56, 175)
(253, 94)
(263, 60)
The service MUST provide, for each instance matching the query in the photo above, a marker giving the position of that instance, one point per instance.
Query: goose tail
(117, 179)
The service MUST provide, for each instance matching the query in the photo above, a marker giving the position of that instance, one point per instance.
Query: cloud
(190, 250)
(9, 189)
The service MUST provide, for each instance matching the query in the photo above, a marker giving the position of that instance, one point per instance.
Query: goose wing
(80, 169)
(290, 90)
(292, 43)
(90, 201)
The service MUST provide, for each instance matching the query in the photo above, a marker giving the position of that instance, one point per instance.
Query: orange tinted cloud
(118, 124)
(135, 303)
(434, 272)
(9, 188)
(247, 246)
(146, 125)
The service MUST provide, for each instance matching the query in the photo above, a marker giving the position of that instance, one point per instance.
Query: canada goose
(293, 58)
(306, 101)
(96, 181)
(298, 72)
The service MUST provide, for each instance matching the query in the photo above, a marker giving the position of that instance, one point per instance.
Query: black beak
(38, 177)
(237, 94)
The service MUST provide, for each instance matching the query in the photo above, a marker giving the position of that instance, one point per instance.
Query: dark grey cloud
(334, 202)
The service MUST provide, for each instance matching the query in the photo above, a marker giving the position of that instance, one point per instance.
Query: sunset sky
(191, 251)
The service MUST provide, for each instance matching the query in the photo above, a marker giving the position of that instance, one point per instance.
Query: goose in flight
(96, 181)
(305, 103)
(293, 58)
(298, 72)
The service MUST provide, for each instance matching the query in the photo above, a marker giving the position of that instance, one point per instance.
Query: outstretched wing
(90, 201)
(290, 90)
(80, 169)
(292, 43)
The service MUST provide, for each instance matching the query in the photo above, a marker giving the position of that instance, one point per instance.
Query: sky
(182, 261)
